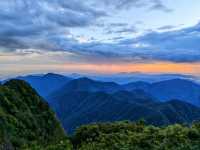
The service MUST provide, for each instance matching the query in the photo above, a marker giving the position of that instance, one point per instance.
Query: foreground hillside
(26, 122)
(137, 136)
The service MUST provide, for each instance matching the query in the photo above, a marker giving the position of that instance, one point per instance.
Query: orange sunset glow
(149, 68)
(156, 67)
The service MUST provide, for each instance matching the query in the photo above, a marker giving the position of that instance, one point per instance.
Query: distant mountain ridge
(91, 85)
(51, 83)
(184, 90)
(46, 84)
(181, 89)
(83, 100)
(86, 84)
(77, 108)
(124, 78)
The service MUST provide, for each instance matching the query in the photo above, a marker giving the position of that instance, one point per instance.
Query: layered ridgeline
(84, 101)
(184, 90)
(26, 122)
(181, 89)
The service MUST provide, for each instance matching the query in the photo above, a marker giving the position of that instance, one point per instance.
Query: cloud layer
(30, 26)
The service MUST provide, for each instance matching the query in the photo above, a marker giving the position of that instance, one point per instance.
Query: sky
(93, 36)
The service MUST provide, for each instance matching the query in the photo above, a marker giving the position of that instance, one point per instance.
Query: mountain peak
(53, 75)
(177, 80)
(14, 83)
(45, 84)
(84, 79)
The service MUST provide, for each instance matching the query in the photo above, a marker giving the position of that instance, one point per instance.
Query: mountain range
(27, 122)
(124, 78)
(83, 100)
(178, 88)
(78, 108)
(181, 89)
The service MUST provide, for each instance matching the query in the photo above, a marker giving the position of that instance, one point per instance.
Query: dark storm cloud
(129, 30)
(75, 13)
(119, 28)
(31, 23)
(10, 44)
(118, 24)
(24, 21)
(167, 27)
(159, 5)
(126, 4)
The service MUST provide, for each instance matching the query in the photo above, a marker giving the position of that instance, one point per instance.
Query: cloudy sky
(107, 36)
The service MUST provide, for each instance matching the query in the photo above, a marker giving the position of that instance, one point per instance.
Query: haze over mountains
(83, 100)
(124, 78)
(171, 88)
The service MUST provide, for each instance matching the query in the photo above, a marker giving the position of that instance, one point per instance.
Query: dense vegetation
(27, 123)
(137, 136)
(26, 120)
